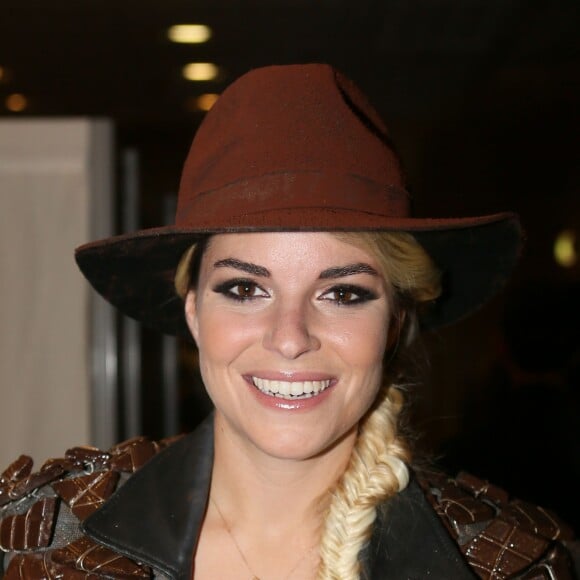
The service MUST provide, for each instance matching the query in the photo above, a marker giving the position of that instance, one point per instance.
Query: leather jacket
(137, 510)
(156, 517)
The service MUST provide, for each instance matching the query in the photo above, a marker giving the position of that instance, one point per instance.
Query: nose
(291, 332)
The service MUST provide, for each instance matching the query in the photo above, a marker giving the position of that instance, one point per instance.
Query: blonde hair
(182, 280)
(378, 465)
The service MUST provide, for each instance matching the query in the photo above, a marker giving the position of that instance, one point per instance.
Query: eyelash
(361, 294)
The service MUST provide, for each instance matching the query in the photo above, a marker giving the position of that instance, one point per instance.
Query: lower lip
(289, 404)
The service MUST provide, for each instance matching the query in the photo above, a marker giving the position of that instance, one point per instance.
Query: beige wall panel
(45, 197)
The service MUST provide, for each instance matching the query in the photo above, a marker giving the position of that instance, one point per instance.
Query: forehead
(287, 248)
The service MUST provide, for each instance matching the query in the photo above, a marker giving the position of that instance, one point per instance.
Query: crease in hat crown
(295, 147)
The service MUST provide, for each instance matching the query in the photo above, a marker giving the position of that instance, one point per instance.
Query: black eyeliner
(229, 284)
(364, 294)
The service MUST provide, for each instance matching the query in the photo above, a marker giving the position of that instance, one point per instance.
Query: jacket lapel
(155, 517)
(410, 542)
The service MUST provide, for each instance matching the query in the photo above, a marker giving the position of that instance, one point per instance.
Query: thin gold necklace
(241, 553)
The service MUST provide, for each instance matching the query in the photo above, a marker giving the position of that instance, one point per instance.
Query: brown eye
(244, 290)
(344, 295)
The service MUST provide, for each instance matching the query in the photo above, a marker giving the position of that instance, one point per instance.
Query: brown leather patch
(85, 494)
(539, 521)
(40, 567)
(481, 488)
(30, 530)
(133, 454)
(36, 480)
(84, 554)
(61, 462)
(83, 456)
(17, 470)
(503, 549)
(461, 508)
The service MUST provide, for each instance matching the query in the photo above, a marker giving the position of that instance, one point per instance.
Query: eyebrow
(348, 270)
(247, 267)
(335, 272)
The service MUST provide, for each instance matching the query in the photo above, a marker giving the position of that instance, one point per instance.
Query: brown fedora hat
(296, 148)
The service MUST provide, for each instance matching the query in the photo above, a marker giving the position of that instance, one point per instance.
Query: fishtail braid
(377, 470)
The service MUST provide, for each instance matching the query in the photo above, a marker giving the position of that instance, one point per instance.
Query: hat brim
(135, 272)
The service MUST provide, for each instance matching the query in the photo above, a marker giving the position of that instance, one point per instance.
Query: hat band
(275, 192)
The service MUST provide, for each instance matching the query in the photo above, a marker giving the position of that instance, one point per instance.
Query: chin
(297, 446)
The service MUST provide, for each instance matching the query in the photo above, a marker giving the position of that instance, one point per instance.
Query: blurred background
(482, 98)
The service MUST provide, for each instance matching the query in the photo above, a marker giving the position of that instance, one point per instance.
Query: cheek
(222, 335)
(365, 355)
(363, 340)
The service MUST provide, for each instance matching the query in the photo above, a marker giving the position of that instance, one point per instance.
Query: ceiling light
(206, 102)
(565, 249)
(201, 103)
(200, 71)
(189, 33)
(16, 102)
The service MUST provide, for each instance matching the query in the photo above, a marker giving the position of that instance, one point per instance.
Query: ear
(191, 314)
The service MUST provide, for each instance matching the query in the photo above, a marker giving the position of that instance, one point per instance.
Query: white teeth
(296, 389)
(290, 390)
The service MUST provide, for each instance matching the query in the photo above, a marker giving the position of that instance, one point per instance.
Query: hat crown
(289, 137)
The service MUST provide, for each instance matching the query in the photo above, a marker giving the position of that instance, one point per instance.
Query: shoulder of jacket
(41, 512)
(500, 537)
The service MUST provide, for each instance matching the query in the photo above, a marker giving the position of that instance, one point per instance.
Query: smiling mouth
(291, 390)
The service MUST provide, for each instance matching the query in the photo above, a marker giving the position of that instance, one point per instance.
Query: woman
(296, 267)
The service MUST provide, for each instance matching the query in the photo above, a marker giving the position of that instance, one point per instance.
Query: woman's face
(291, 330)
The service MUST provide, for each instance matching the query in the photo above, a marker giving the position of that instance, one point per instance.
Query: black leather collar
(410, 542)
(155, 518)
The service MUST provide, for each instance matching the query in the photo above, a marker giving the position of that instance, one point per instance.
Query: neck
(266, 512)
(271, 493)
